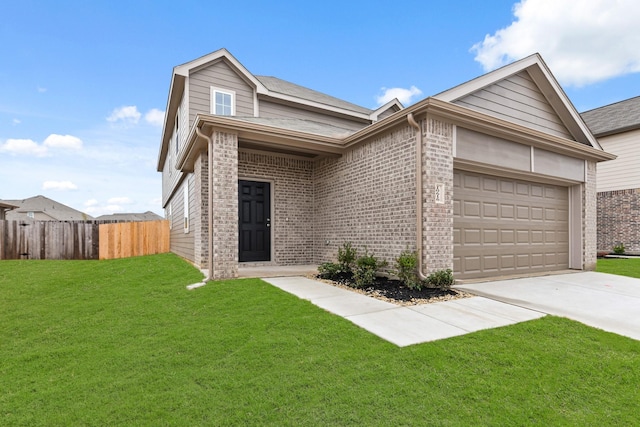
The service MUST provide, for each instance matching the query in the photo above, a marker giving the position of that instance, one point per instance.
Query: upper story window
(223, 102)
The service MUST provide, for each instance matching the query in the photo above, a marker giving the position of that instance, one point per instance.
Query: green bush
(346, 257)
(367, 267)
(441, 279)
(329, 270)
(618, 249)
(406, 268)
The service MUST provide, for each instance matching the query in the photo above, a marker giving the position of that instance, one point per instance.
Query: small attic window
(30, 215)
(223, 102)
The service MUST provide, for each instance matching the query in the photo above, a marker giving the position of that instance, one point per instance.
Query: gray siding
(222, 76)
(182, 243)
(272, 110)
(170, 175)
(622, 173)
(517, 99)
(386, 113)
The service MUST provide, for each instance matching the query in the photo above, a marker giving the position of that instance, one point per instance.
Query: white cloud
(582, 42)
(155, 117)
(16, 122)
(119, 201)
(29, 147)
(25, 147)
(405, 96)
(59, 185)
(91, 202)
(126, 114)
(63, 141)
(42, 89)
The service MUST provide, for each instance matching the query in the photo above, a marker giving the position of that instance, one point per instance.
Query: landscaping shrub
(441, 279)
(367, 267)
(329, 271)
(346, 257)
(406, 268)
(618, 249)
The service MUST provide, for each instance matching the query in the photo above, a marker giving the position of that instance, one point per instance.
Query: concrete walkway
(604, 301)
(409, 325)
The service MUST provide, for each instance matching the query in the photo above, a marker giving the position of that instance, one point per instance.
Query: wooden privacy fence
(48, 240)
(127, 239)
(81, 239)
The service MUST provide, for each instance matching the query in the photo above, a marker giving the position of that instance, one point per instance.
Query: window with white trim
(223, 102)
(186, 206)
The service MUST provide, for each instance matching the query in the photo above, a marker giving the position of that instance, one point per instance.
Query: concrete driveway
(604, 301)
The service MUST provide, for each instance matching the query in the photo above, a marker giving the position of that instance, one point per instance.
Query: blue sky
(83, 84)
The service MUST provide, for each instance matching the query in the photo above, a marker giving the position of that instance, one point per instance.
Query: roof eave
(309, 142)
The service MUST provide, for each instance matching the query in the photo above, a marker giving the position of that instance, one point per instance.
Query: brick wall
(225, 205)
(292, 180)
(437, 218)
(367, 197)
(619, 219)
(200, 216)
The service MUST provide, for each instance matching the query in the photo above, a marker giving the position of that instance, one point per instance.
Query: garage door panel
(505, 226)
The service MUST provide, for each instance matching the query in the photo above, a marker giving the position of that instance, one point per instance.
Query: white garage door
(506, 226)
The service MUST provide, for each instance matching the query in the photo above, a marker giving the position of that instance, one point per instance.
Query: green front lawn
(622, 266)
(122, 342)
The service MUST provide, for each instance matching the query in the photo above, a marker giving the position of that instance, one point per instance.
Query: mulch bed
(395, 292)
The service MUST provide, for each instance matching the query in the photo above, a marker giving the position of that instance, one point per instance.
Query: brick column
(590, 219)
(223, 184)
(437, 218)
(201, 211)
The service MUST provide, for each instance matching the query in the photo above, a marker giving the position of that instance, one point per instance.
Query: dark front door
(254, 221)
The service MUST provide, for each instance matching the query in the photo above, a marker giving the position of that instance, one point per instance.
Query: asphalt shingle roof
(302, 125)
(618, 117)
(275, 84)
(55, 210)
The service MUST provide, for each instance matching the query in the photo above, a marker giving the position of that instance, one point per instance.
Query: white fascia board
(565, 102)
(168, 117)
(478, 83)
(559, 100)
(186, 68)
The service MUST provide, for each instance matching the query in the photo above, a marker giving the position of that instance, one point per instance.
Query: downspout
(209, 197)
(419, 241)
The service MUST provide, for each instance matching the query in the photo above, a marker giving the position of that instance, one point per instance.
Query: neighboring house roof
(614, 118)
(7, 206)
(53, 210)
(131, 217)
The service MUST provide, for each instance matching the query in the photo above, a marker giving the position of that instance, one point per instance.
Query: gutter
(419, 216)
(209, 198)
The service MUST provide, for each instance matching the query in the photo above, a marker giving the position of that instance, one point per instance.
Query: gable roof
(41, 204)
(614, 118)
(271, 87)
(547, 85)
